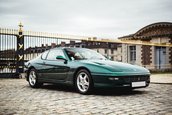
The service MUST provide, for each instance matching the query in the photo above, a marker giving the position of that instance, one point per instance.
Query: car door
(55, 69)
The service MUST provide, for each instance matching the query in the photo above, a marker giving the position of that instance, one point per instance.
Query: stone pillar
(146, 55)
(20, 51)
(170, 51)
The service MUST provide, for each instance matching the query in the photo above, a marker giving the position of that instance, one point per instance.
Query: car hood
(117, 66)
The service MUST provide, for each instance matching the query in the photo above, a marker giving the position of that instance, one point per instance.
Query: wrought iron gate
(18, 46)
(8, 48)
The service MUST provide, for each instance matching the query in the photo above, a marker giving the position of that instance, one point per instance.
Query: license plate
(138, 84)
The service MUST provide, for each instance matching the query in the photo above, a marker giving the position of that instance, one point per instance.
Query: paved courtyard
(16, 97)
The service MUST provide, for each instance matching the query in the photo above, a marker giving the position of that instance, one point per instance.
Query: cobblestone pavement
(16, 97)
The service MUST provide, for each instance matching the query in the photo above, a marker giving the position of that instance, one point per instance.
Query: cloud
(101, 18)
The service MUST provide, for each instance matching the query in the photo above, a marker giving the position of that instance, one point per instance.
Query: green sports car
(84, 69)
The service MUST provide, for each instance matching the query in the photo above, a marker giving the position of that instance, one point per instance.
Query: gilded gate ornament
(20, 46)
(20, 57)
(20, 36)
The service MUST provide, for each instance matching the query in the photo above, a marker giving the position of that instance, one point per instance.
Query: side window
(44, 55)
(54, 53)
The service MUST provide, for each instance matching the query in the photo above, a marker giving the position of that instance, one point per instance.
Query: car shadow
(97, 91)
(58, 87)
(118, 92)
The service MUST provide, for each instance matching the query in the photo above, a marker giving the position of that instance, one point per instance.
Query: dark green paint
(63, 70)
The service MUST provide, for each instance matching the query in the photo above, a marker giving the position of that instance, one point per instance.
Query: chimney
(72, 42)
(53, 45)
(63, 44)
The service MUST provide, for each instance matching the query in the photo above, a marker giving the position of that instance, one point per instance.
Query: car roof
(67, 48)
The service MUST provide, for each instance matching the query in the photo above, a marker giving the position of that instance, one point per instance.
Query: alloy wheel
(32, 78)
(83, 82)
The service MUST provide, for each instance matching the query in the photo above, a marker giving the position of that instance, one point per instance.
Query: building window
(105, 51)
(112, 58)
(111, 51)
(132, 53)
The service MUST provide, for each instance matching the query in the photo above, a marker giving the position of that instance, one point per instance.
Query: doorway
(160, 57)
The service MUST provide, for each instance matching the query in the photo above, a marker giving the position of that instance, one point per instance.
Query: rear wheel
(83, 82)
(33, 79)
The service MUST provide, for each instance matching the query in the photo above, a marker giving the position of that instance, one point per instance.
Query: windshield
(83, 54)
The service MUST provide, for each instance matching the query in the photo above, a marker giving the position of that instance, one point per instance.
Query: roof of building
(159, 28)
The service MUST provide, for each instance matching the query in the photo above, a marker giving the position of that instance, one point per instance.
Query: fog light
(113, 78)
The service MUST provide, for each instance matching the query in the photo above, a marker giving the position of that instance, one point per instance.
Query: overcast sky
(100, 18)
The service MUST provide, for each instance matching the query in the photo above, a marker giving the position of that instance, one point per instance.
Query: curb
(161, 83)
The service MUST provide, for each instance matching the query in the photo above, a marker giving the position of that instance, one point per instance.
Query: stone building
(151, 57)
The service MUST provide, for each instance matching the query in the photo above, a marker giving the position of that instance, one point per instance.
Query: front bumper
(121, 81)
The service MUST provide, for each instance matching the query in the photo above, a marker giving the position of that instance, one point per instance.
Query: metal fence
(17, 47)
(8, 48)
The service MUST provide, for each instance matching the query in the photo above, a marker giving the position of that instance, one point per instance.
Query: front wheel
(33, 80)
(83, 82)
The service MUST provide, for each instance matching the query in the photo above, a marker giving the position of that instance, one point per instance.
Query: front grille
(136, 78)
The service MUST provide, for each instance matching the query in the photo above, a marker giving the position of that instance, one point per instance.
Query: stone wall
(146, 55)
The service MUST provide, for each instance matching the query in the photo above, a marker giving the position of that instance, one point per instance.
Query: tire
(33, 79)
(83, 82)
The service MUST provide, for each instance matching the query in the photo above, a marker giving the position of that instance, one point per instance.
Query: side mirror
(108, 57)
(62, 58)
